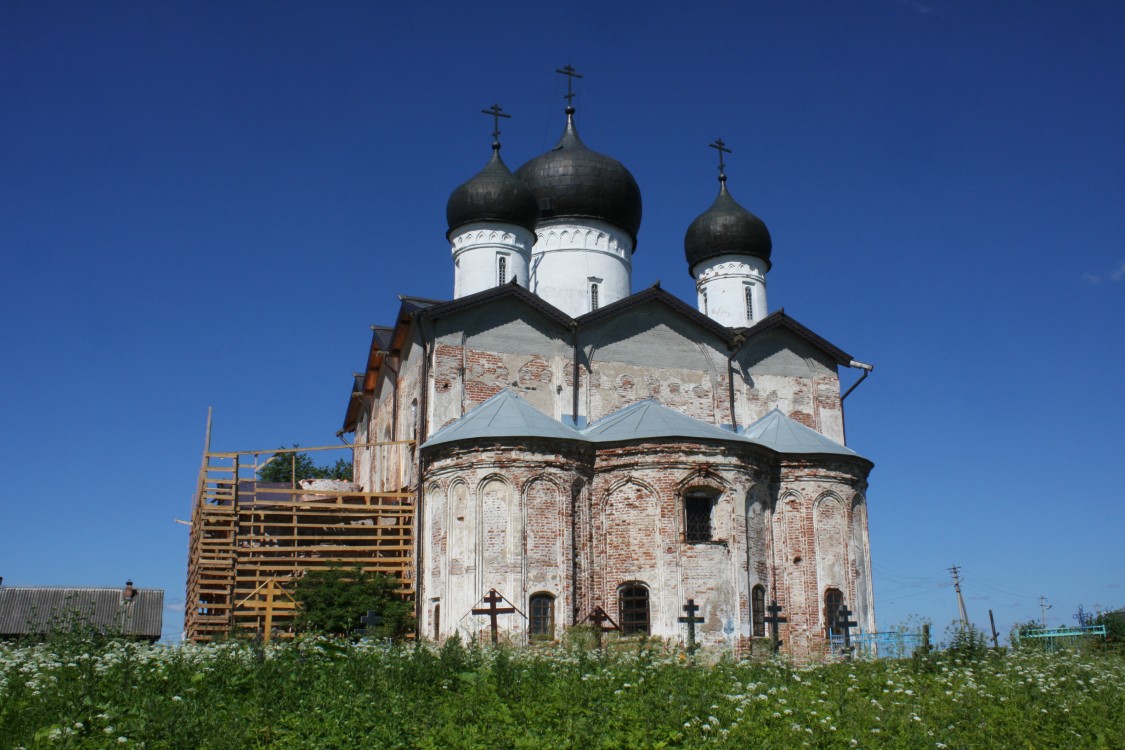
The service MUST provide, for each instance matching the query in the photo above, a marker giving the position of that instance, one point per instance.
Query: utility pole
(1043, 605)
(956, 571)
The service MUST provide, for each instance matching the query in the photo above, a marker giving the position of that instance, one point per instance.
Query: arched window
(632, 599)
(833, 601)
(749, 304)
(501, 270)
(698, 504)
(541, 616)
(705, 303)
(593, 297)
(758, 610)
(437, 621)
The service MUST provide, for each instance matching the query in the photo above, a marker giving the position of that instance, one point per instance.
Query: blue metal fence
(892, 645)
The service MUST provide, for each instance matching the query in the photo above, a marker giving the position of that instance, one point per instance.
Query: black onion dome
(726, 228)
(571, 181)
(494, 194)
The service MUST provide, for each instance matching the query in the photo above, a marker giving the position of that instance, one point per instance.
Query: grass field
(320, 694)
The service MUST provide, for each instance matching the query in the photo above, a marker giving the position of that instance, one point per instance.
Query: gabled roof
(655, 294)
(505, 415)
(785, 435)
(511, 289)
(779, 319)
(34, 610)
(651, 419)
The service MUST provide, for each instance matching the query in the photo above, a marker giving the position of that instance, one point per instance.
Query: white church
(580, 447)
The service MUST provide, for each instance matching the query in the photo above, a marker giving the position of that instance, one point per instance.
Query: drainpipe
(738, 341)
(419, 502)
(866, 371)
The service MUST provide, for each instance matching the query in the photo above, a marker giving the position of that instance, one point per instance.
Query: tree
(285, 468)
(333, 600)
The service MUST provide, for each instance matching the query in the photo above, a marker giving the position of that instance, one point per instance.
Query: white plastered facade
(732, 289)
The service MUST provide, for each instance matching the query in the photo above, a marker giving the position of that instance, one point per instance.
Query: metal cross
(843, 620)
(570, 74)
(496, 113)
(599, 617)
(774, 619)
(721, 147)
(691, 619)
(493, 598)
(372, 620)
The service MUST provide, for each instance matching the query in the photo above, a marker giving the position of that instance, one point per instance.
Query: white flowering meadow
(323, 694)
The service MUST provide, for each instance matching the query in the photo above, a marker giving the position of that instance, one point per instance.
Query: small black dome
(494, 194)
(571, 181)
(726, 228)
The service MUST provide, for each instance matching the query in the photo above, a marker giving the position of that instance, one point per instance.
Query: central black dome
(571, 181)
(494, 194)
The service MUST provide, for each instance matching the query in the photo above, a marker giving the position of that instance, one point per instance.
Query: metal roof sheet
(28, 610)
(651, 419)
(505, 415)
(785, 435)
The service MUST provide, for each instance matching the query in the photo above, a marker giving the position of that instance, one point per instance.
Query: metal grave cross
(843, 620)
(570, 74)
(774, 618)
(599, 617)
(721, 147)
(493, 598)
(691, 619)
(496, 113)
(372, 620)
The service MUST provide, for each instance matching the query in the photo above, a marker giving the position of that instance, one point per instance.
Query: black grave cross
(774, 619)
(691, 619)
(721, 147)
(493, 598)
(844, 620)
(599, 617)
(372, 620)
(570, 74)
(496, 112)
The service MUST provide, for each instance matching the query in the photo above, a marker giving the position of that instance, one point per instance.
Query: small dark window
(705, 303)
(697, 516)
(541, 616)
(502, 270)
(437, 622)
(833, 601)
(633, 601)
(758, 610)
(593, 297)
(749, 304)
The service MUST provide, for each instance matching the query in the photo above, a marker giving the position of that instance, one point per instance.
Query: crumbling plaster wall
(814, 519)
(499, 516)
(780, 370)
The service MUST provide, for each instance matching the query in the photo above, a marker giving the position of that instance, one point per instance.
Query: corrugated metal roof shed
(785, 435)
(651, 419)
(32, 610)
(505, 415)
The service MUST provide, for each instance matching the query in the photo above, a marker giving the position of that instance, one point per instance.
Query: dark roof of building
(779, 319)
(511, 289)
(571, 181)
(726, 228)
(34, 610)
(655, 294)
(493, 195)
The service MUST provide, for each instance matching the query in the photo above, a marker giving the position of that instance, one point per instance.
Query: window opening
(749, 304)
(593, 297)
(697, 516)
(541, 616)
(705, 303)
(758, 610)
(833, 600)
(502, 269)
(633, 605)
(437, 621)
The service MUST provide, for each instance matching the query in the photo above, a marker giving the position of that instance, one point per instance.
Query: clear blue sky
(207, 204)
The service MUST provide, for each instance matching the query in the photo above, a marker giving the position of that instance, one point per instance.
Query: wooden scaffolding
(249, 540)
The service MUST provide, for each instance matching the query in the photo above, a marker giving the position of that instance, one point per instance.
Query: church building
(580, 447)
